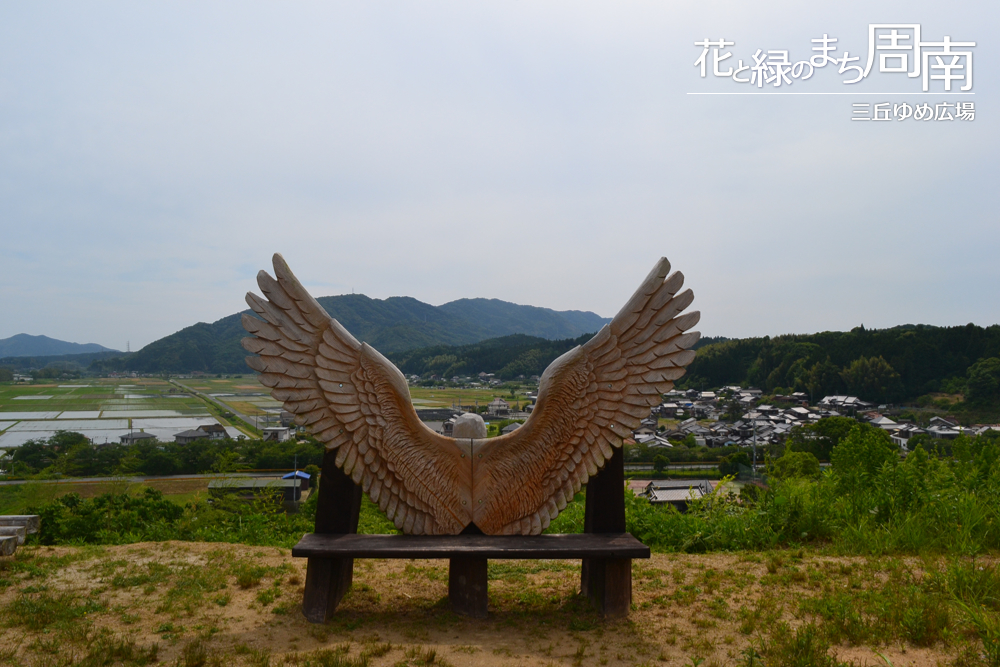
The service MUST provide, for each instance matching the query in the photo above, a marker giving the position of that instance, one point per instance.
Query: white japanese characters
(888, 111)
(893, 48)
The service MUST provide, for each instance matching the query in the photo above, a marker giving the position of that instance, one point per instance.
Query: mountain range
(26, 345)
(392, 325)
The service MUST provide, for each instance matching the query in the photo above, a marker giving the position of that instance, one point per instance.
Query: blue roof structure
(297, 473)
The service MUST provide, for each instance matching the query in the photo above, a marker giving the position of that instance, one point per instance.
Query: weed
(420, 657)
(376, 650)
(268, 595)
(194, 654)
(333, 658)
(987, 627)
(36, 612)
(804, 647)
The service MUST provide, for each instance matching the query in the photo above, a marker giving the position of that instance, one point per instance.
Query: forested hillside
(507, 357)
(502, 318)
(894, 364)
(390, 325)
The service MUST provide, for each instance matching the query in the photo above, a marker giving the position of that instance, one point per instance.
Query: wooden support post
(467, 586)
(337, 511)
(607, 581)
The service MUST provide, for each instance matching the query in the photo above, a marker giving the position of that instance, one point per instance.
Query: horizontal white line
(943, 94)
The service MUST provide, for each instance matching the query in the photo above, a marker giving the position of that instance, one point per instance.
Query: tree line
(879, 365)
(72, 454)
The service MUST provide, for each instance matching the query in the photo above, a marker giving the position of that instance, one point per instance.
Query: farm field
(101, 408)
(104, 409)
(425, 397)
(230, 604)
(97, 394)
(244, 395)
(245, 392)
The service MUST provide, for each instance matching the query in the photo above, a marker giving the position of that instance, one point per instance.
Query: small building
(189, 436)
(214, 431)
(276, 433)
(137, 436)
(677, 492)
(203, 432)
(303, 478)
(510, 428)
(249, 488)
(884, 423)
(498, 408)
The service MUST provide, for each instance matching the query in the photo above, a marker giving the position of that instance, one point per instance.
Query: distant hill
(506, 357)
(390, 325)
(503, 318)
(26, 345)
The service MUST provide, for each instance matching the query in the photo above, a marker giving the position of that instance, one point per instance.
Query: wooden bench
(605, 548)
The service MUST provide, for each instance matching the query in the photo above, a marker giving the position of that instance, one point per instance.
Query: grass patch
(40, 611)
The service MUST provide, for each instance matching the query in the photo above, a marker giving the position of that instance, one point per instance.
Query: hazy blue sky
(153, 156)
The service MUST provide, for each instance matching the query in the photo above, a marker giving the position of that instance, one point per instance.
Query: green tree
(32, 456)
(871, 378)
(820, 438)
(823, 379)
(983, 385)
(660, 462)
(730, 465)
(794, 464)
(861, 455)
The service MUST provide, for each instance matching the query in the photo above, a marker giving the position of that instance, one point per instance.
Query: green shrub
(794, 464)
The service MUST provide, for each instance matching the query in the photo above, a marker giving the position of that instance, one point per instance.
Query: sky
(153, 156)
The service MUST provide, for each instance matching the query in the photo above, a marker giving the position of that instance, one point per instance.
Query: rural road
(226, 408)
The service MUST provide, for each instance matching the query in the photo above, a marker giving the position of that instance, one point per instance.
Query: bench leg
(337, 511)
(467, 586)
(608, 584)
(327, 580)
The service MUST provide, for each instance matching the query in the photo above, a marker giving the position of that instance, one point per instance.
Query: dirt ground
(239, 604)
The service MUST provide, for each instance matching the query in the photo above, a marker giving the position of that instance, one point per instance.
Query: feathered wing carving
(357, 402)
(589, 399)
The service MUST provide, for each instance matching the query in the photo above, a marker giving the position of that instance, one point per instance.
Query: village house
(204, 432)
(276, 433)
(498, 408)
(137, 436)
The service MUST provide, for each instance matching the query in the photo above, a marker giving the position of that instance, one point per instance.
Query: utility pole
(295, 485)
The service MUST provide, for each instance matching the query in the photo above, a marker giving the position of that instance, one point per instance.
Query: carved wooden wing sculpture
(356, 401)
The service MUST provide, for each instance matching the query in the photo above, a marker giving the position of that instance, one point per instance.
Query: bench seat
(575, 546)
(607, 564)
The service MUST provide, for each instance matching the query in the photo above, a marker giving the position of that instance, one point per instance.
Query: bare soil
(243, 602)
